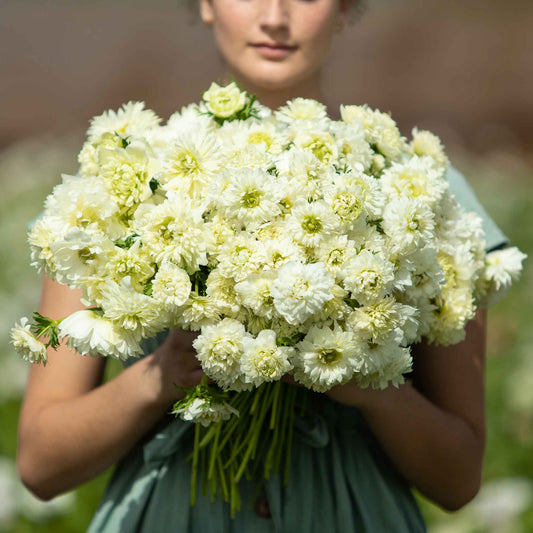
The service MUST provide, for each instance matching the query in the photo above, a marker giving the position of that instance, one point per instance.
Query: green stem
(213, 454)
(222, 476)
(247, 428)
(255, 430)
(278, 449)
(290, 431)
(277, 387)
(211, 432)
(203, 467)
(195, 463)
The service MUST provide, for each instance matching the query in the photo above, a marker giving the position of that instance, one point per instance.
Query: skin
(72, 427)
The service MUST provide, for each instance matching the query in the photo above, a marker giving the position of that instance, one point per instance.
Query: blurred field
(504, 183)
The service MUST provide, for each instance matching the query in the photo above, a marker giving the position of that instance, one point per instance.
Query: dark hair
(357, 8)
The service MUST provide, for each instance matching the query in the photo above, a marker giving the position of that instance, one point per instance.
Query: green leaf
(128, 242)
(124, 140)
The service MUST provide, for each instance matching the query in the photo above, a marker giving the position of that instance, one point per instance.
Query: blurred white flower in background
(13, 374)
(519, 383)
(501, 502)
(496, 509)
(16, 500)
(8, 505)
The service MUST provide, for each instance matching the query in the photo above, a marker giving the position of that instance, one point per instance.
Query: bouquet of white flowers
(295, 244)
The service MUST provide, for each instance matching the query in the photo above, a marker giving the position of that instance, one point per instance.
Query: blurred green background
(462, 71)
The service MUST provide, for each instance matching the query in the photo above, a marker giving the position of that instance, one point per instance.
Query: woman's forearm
(435, 450)
(69, 442)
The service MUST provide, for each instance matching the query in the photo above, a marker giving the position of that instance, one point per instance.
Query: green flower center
(251, 199)
(329, 356)
(312, 224)
(320, 150)
(336, 257)
(259, 137)
(186, 163)
(165, 231)
(86, 255)
(347, 206)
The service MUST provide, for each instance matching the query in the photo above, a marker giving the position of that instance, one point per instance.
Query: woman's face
(274, 44)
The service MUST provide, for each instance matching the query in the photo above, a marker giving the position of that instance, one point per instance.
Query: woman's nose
(274, 13)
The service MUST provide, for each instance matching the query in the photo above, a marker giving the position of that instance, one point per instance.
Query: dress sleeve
(494, 236)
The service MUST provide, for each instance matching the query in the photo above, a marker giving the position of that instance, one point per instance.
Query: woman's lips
(274, 51)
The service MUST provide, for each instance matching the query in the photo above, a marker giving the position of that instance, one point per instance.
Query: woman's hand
(173, 365)
(348, 394)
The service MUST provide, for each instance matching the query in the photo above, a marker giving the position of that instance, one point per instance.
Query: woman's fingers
(287, 378)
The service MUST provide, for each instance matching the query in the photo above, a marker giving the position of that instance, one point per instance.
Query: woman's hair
(357, 8)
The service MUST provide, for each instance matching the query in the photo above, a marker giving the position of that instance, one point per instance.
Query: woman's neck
(275, 98)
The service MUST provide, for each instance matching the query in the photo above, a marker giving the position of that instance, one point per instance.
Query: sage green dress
(341, 481)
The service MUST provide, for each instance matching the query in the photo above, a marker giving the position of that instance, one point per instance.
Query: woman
(356, 452)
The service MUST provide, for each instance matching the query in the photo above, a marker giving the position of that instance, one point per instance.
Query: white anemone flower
(191, 162)
(368, 276)
(369, 190)
(301, 290)
(415, 178)
(301, 109)
(198, 311)
(251, 198)
(317, 141)
(80, 254)
(353, 146)
(174, 231)
(335, 252)
(280, 250)
(502, 267)
(205, 412)
(90, 333)
(221, 290)
(346, 200)
(132, 119)
(134, 262)
(135, 312)
(380, 129)
(239, 256)
(326, 357)
(127, 173)
(384, 364)
(263, 360)
(43, 234)
(409, 223)
(219, 350)
(85, 202)
(171, 285)
(385, 320)
(454, 308)
(27, 346)
(311, 223)
(426, 143)
(254, 293)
